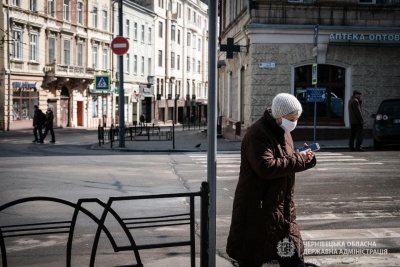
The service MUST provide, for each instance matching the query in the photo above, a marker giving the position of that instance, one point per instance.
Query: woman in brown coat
(264, 226)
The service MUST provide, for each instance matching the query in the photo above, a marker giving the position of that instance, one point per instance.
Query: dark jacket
(263, 208)
(37, 117)
(355, 112)
(49, 119)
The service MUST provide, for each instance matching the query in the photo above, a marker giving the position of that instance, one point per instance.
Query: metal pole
(121, 94)
(212, 133)
(9, 67)
(173, 124)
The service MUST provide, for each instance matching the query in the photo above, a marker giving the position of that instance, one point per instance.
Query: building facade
(54, 50)
(180, 61)
(354, 43)
(138, 29)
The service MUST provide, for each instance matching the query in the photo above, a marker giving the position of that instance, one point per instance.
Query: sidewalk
(186, 140)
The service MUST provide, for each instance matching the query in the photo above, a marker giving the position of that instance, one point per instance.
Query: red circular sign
(120, 45)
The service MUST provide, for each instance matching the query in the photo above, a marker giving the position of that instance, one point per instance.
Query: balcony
(70, 71)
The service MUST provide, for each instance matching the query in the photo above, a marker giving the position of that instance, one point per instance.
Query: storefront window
(332, 79)
(94, 106)
(23, 102)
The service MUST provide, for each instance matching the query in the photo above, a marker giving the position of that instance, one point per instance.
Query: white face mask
(288, 125)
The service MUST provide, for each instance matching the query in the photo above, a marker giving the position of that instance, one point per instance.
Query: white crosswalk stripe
(229, 163)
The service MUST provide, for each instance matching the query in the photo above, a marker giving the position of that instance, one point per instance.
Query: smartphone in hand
(313, 147)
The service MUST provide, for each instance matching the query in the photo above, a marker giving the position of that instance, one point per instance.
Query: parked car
(386, 127)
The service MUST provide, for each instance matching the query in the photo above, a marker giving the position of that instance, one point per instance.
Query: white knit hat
(283, 104)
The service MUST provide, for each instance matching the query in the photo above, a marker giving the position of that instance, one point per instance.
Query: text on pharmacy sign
(375, 37)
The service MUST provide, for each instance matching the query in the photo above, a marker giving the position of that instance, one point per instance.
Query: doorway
(79, 113)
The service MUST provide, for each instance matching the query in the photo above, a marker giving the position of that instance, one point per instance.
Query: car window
(390, 108)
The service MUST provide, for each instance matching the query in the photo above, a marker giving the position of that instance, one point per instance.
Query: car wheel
(377, 145)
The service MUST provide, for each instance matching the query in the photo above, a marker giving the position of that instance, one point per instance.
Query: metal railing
(128, 224)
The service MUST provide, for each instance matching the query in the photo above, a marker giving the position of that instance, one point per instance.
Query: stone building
(52, 51)
(180, 61)
(355, 44)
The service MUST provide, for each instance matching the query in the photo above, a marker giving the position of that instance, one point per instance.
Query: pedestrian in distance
(356, 122)
(263, 226)
(39, 119)
(142, 119)
(49, 126)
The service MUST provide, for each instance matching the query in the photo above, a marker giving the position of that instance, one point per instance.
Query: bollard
(99, 134)
(111, 135)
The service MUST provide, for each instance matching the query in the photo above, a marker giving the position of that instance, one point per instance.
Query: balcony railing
(70, 71)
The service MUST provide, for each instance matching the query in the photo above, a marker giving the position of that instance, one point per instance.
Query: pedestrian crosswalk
(228, 164)
(336, 229)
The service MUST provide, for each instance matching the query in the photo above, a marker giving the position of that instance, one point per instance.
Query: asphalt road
(348, 204)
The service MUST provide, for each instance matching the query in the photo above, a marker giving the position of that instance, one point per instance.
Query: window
(179, 10)
(178, 62)
(105, 20)
(199, 44)
(52, 51)
(135, 30)
(189, 14)
(17, 35)
(194, 16)
(142, 33)
(128, 33)
(95, 57)
(67, 52)
(34, 53)
(149, 66)
(188, 64)
(172, 60)
(179, 36)
(94, 106)
(189, 40)
(80, 54)
(127, 63)
(194, 41)
(193, 65)
(94, 17)
(80, 12)
(16, 3)
(198, 66)
(50, 8)
(23, 102)
(149, 37)
(142, 70)
(160, 29)
(33, 5)
(66, 10)
(135, 64)
(160, 58)
(105, 58)
(172, 32)
(161, 3)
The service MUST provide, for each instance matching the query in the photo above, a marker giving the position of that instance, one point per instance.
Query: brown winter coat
(263, 207)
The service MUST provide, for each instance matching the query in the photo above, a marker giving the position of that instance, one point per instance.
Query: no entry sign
(120, 45)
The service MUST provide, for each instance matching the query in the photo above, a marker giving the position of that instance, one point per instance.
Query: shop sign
(24, 85)
(376, 37)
